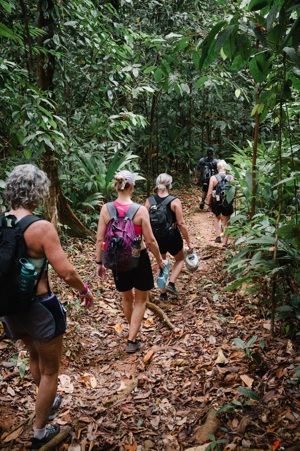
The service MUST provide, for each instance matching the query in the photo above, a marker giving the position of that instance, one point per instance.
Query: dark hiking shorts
(172, 244)
(45, 320)
(140, 278)
(220, 210)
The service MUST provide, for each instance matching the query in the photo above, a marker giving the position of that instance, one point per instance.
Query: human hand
(86, 297)
(101, 271)
(87, 300)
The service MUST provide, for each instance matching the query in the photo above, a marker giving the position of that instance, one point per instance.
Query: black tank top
(159, 200)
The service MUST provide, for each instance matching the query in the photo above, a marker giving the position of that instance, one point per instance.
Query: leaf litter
(189, 387)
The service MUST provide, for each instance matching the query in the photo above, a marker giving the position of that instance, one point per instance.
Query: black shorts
(205, 186)
(45, 320)
(140, 278)
(172, 244)
(220, 210)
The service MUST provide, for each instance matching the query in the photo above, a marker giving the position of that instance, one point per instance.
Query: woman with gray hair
(173, 242)
(42, 326)
(221, 213)
(136, 283)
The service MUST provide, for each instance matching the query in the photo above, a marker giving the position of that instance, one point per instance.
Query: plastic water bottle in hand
(163, 275)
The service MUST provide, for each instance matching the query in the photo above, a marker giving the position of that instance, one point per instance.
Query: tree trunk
(58, 209)
(254, 162)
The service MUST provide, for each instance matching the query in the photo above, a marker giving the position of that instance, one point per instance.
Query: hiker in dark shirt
(42, 327)
(221, 213)
(174, 242)
(206, 167)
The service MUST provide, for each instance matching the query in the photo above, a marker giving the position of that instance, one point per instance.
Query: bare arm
(149, 238)
(42, 240)
(212, 183)
(177, 208)
(102, 224)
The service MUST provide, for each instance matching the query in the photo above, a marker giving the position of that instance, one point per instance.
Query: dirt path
(158, 398)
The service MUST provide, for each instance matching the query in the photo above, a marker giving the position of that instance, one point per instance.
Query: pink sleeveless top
(122, 209)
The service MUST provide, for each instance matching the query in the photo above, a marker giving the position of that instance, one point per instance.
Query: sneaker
(51, 431)
(201, 206)
(133, 346)
(218, 240)
(55, 407)
(163, 296)
(171, 288)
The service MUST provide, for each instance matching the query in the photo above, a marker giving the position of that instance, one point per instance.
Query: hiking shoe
(163, 296)
(55, 407)
(133, 346)
(51, 431)
(218, 240)
(171, 288)
(201, 206)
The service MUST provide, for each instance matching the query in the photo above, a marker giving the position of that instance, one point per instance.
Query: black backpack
(161, 218)
(12, 249)
(224, 190)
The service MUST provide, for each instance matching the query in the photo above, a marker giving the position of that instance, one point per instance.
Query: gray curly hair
(26, 186)
(163, 182)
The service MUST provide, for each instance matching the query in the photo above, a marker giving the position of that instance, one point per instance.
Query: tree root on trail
(115, 399)
(57, 439)
(209, 427)
(161, 313)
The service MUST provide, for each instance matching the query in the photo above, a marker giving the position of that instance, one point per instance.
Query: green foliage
(87, 180)
(215, 443)
(245, 346)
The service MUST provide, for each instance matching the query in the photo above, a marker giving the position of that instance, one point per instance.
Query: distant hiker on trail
(41, 327)
(115, 250)
(206, 167)
(220, 200)
(168, 232)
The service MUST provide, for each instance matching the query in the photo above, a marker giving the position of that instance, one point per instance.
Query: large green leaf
(256, 5)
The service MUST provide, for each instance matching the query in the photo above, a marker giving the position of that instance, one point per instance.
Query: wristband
(99, 263)
(85, 291)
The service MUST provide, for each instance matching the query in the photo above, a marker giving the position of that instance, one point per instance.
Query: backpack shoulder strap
(152, 201)
(112, 210)
(27, 221)
(168, 200)
(218, 177)
(132, 210)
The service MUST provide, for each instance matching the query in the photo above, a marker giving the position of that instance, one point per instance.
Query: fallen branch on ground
(161, 313)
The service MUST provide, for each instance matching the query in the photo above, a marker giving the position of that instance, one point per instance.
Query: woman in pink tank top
(136, 283)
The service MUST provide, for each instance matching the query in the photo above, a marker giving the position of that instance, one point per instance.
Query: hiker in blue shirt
(206, 167)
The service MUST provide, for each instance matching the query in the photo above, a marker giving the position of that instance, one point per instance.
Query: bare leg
(225, 220)
(128, 304)
(217, 224)
(177, 267)
(134, 310)
(44, 365)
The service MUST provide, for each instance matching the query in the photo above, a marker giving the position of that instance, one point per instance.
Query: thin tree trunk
(58, 209)
(254, 161)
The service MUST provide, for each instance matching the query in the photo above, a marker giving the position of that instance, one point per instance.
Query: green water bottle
(27, 278)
